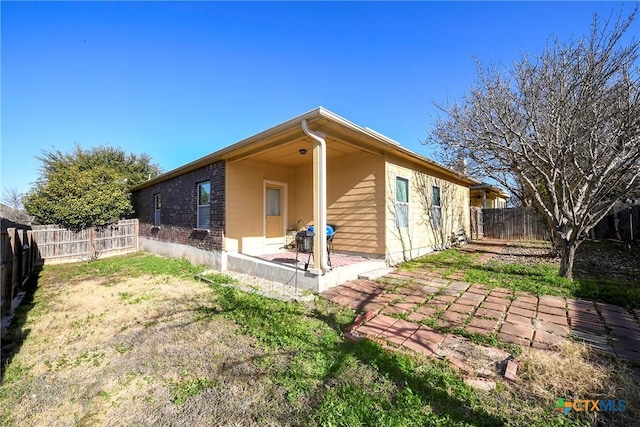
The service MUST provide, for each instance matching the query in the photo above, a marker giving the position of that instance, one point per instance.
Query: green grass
(329, 380)
(132, 265)
(351, 383)
(217, 278)
(451, 260)
(185, 389)
(538, 279)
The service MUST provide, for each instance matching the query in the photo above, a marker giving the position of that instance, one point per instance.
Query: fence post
(20, 253)
(30, 254)
(14, 263)
(92, 248)
(6, 270)
(136, 233)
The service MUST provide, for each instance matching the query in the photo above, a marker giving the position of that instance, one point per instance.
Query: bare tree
(426, 216)
(561, 130)
(12, 198)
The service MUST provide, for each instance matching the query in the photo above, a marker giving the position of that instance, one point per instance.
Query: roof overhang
(491, 189)
(320, 119)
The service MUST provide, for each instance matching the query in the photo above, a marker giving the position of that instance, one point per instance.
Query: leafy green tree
(86, 187)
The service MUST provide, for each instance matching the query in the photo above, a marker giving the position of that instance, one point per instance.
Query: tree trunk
(568, 256)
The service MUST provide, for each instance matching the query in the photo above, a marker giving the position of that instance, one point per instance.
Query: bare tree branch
(560, 130)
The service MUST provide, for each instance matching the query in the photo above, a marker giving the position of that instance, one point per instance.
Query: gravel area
(265, 287)
(527, 253)
(609, 258)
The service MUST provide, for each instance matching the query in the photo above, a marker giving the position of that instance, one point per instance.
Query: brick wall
(178, 214)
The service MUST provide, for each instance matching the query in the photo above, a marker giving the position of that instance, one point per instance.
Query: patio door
(275, 212)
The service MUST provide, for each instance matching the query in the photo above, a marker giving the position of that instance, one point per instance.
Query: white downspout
(320, 228)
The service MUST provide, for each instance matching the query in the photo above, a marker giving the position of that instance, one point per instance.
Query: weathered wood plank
(513, 224)
(57, 244)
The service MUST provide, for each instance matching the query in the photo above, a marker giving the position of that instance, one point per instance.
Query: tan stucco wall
(355, 201)
(420, 237)
(493, 202)
(245, 201)
(360, 201)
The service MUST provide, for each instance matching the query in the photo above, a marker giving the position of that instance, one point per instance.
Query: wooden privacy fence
(476, 223)
(58, 245)
(16, 263)
(24, 249)
(523, 223)
(513, 224)
(623, 224)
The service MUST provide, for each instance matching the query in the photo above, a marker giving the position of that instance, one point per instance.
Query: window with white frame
(402, 202)
(157, 205)
(436, 208)
(204, 208)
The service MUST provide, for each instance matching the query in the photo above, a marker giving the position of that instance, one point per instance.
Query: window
(436, 208)
(402, 202)
(273, 202)
(204, 209)
(157, 205)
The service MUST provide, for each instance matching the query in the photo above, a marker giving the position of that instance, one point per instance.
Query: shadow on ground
(278, 326)
(16, 333)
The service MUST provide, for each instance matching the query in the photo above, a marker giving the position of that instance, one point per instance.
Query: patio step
(375, 274)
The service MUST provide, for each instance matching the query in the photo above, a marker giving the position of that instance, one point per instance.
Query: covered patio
(288, 180)
(287, 267)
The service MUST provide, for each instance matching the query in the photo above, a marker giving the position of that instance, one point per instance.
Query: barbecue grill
(304, 243)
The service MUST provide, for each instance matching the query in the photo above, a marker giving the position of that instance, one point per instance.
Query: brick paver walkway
(418, 309)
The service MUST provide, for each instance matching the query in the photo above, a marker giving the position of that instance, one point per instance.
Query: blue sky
(181, 80)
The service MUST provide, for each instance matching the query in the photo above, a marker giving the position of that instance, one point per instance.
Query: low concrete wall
(260, 268)
(395, 258)
(342, 274)
(305, 279)
(210, 258)
(271, 271)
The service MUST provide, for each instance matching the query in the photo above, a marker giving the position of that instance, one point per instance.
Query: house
(486, 196)
(11, 215)
(228, 208)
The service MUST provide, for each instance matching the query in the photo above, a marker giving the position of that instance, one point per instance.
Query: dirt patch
(477, 360)
(527, 253)
(137, 353)
(615, 260)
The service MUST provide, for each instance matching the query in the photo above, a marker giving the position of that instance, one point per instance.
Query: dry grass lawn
(132, 352)
(136, 341)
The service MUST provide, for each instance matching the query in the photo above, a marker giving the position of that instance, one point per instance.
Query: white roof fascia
(317, 112)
